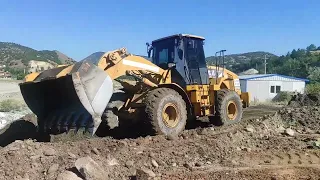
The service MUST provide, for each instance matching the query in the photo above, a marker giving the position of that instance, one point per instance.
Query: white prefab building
(264, 87)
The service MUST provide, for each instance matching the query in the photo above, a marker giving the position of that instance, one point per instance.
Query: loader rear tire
(166, 112)
(228, 107)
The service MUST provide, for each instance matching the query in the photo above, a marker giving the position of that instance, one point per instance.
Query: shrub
(313, 88)
(283, 96)
(10, 105)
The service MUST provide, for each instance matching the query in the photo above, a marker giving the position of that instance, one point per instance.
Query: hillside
(17, 56)
(243, 61)
(302, 63)
(64, 59)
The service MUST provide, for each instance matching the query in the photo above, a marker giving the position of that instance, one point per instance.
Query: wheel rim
(232, 110)
(170, 115)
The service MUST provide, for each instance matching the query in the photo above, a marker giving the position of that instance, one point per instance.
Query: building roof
(183, 35)
(257, 76)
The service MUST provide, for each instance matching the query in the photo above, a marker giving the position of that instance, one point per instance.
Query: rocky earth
(299, 100)
(269, 143)
(282, 144)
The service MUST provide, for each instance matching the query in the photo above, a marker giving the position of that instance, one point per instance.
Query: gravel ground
(269, 143)
(9, 89)
(268, 147)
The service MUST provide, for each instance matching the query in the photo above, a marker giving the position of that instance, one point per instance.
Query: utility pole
(265, 64)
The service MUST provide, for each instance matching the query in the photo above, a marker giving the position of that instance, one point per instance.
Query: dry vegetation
(11, 105)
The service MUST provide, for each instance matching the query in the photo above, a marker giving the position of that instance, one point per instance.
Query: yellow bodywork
(83, 95)
(77, 95)
(31, 77)
(203, 96)
(118, 63)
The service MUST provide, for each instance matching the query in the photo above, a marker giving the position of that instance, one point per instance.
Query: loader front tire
(166, 112)
(228, 107)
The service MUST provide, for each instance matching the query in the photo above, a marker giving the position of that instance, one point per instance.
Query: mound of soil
(299, 100)
(256, 148)
(306, 118)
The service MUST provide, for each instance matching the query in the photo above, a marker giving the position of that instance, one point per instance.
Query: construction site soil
(270, 142)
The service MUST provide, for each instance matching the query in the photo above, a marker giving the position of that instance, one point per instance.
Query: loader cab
(186, 53)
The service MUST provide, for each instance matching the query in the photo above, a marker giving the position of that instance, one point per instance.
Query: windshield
(163, 52)
(195, 53)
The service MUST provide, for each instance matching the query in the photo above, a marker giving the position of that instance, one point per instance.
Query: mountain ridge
(17, 56)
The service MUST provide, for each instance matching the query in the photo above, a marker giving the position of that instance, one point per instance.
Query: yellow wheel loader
(166, 92)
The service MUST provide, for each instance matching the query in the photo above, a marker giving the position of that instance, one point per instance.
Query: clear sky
(79, 29)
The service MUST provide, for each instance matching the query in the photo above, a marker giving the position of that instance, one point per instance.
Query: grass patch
(11, 105)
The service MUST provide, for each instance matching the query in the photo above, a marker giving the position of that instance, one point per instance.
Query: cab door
(196, 61)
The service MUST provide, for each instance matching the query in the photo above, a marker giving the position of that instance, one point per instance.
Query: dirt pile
(299, 100)
(303, 119)
(256, 148)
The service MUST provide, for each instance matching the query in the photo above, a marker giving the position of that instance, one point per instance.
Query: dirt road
(9, 89)
(256, 148)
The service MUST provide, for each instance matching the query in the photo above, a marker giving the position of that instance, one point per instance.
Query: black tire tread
(151, 101)
(220, 107)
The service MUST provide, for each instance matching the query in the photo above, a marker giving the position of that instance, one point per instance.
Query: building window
(275, 89)
(278, 89)
(272, 89)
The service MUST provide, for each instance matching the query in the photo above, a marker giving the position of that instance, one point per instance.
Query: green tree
(294, 54)
(301, 52)
(312, 47)
(314, 74)
(288, 55)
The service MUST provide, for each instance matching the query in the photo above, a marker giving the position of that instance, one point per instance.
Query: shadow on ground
(22, 129)
(18, 130)
(132, 131)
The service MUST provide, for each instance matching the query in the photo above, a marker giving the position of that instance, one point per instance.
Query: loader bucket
(76, 100)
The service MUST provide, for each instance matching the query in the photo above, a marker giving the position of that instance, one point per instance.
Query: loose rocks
(289, 132)
(49, 152)
(249, 128)
(129, 164)
(90, 169)
(154, 163)
(144, 174)
(54, 168)
(68, 175)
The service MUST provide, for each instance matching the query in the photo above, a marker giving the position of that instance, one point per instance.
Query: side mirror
(171, 65)
(149, 52)
(149, 48)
